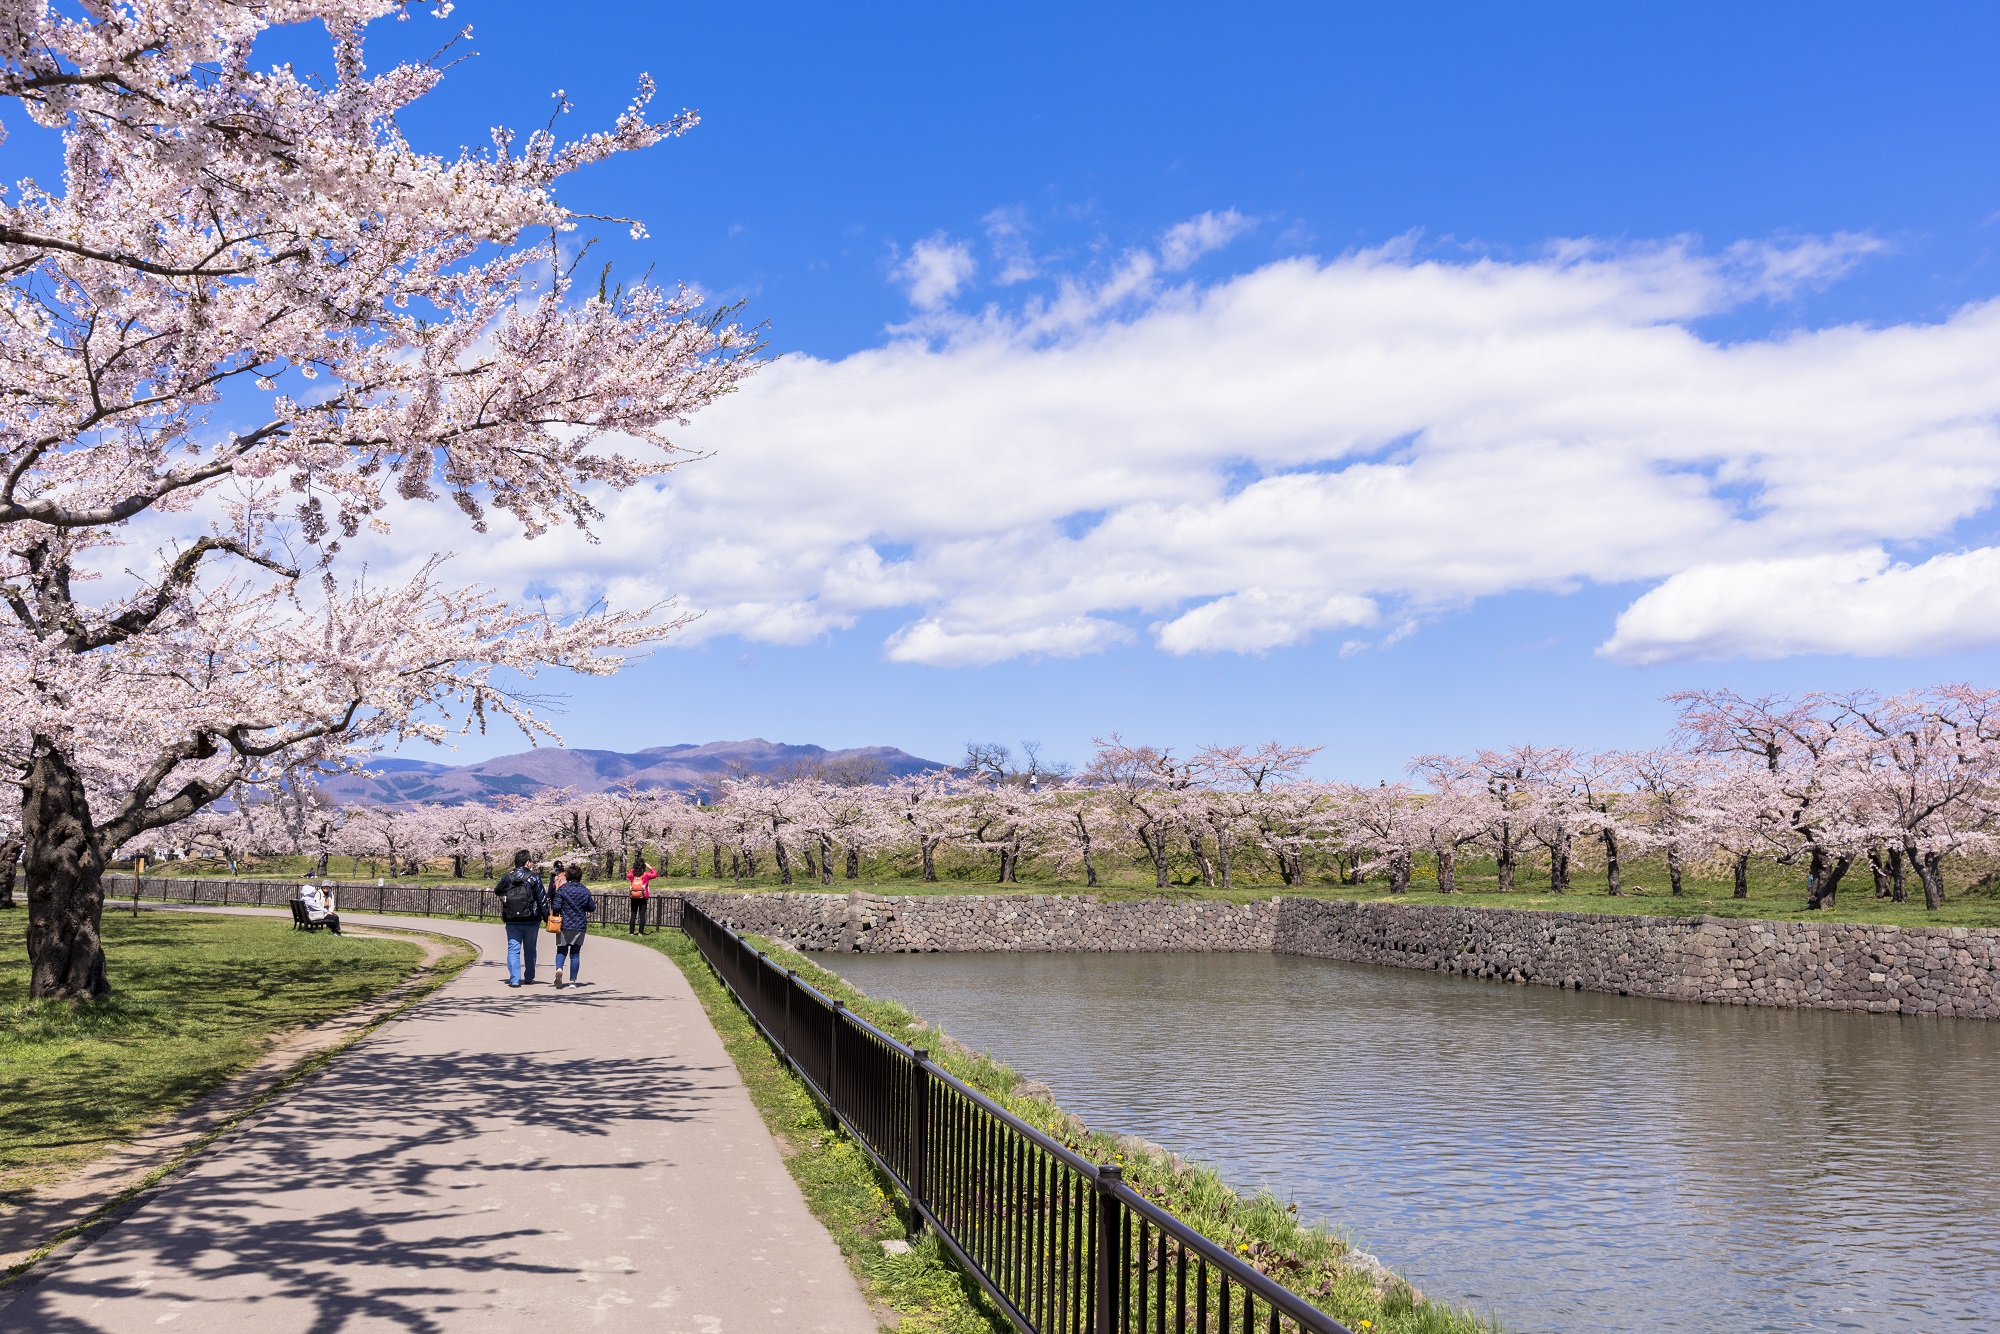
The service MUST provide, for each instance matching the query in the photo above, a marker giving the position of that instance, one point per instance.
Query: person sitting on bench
(318, 909)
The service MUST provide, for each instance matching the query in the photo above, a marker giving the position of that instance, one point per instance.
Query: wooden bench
(301, 922)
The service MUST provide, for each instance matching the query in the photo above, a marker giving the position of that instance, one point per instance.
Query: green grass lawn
(195, 999)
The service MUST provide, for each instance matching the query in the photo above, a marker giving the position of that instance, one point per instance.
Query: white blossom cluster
(250, 318)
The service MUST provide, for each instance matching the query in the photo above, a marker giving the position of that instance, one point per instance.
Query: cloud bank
(1336, 447)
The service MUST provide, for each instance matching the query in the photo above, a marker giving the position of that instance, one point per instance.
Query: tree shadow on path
(395, 1190)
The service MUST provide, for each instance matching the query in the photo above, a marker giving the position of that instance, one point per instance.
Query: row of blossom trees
(1825, 784)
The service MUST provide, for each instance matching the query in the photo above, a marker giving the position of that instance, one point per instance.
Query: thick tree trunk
(1878, 870)
(1156, 848)
(1899, 889)
(927, 848)
(825, 860)
(1559, 866)
(1929, 867)
(812, 862)
(1823, 879)
(716, 867)
(458, 866)
(1222, 862)
(784, 861)
(1507, 858)
(1612, 884)
(1447, 870)
(1198, 849)
(1741, 889)
(1399, 873)
(10, 852)
(1674, 869)
(65, 874)
(853, 861)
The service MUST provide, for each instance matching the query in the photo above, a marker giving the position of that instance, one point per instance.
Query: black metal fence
(1063, 1245)
(615, 907)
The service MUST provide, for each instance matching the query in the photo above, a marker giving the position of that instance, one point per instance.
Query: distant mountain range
(684, 768)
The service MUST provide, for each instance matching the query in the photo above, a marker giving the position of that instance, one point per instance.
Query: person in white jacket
(318, 909)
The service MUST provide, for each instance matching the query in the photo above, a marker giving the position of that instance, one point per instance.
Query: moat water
(1565, 1161)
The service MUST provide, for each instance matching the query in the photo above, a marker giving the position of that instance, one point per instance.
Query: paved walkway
(500, 1160)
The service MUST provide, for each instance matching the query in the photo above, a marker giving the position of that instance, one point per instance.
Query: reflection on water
(1565, 1160)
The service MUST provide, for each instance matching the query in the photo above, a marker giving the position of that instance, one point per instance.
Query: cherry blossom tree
(1670, 784)
(1557, 811)
(1931, 771)
(1598, 781)
(1143, 781)
(1390, 818)
(1810, 749)
(1508, 787)
(931, 807)
(1454, 813)
(1237, 792)
(380, 326)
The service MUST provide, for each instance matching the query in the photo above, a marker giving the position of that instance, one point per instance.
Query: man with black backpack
(523, 905)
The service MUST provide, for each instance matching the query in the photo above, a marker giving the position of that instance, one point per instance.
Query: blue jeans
(521, 942)
(570, 943)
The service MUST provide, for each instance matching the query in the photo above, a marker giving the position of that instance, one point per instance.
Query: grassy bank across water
(195, 999)
(859, 1208)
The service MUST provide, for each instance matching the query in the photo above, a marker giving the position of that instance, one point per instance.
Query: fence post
(833, 1060)
(1110, 1249)
(918, 1167)
(791, 985)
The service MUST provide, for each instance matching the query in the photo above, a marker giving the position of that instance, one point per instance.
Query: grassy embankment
(195, 999)
(858, 1206)
(1776, 893)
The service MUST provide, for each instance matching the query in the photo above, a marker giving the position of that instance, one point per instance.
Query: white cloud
(1327, 447)
(1186, 242)
(1254, 620)
(1007, 233)
(934, 271)
(1856, 602)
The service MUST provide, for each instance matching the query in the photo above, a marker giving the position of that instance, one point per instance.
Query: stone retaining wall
(1810, 965)
(976, 923)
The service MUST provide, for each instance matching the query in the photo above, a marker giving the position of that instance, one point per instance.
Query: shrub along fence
(1061, 1244)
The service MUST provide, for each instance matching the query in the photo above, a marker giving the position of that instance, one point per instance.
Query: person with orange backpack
(640, 897)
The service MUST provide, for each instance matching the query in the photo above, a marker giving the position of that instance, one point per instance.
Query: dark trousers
(637, 922)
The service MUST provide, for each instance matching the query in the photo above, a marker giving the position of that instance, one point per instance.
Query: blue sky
(1209, 271)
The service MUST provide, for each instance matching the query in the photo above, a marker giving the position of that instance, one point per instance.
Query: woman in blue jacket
(573, 904)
